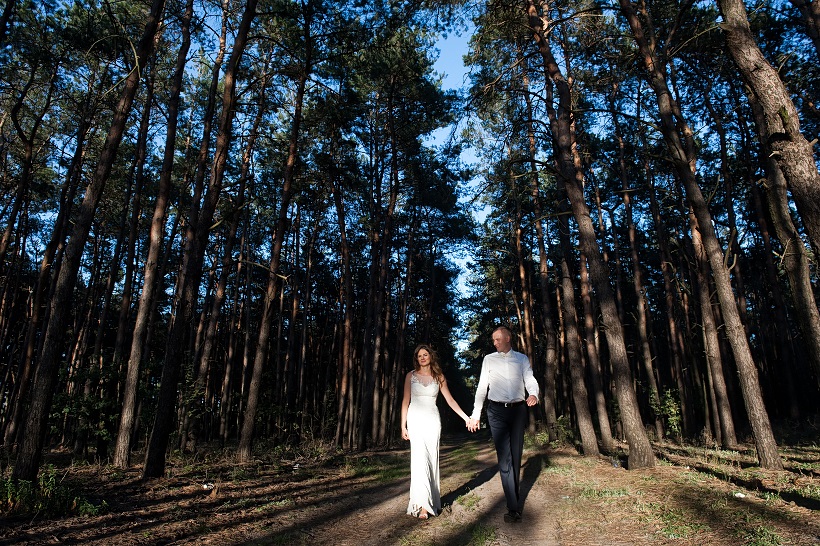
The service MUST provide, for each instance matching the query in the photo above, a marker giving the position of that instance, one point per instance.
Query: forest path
(473, 507)
(360, 499)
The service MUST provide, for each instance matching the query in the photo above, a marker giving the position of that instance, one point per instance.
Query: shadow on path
(480, 479)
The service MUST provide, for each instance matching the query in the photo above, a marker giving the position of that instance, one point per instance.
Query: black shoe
(512, 517)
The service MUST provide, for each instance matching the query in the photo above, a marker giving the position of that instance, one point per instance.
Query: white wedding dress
(424, 427)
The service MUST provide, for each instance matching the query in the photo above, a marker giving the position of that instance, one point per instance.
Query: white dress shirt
(505, 375)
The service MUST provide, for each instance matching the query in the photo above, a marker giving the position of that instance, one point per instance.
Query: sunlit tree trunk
(547, 314)
(571, 178)
(594, 360)
(234, 218)
(794, 257)
(122, 447)
(725, 430)
(575, 359)
(683, 375)
(189, 278)
(778, 121)
(641, 311)
(266, 320)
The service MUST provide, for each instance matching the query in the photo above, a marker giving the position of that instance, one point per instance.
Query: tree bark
(778, 123)
(795, 255)
(547, 314)
(122, 447)
(571, 178)
(594, 360)
(580, 395)
(725, 431)
(265, 324)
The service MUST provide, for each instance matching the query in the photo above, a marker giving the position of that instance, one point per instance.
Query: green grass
(469, 501)
(761, 535)
(481, 535)
(383, 469)
(595, 492)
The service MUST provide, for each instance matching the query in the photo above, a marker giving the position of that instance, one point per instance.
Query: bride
(420, 423)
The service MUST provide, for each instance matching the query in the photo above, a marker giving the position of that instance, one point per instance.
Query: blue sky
(451, 52)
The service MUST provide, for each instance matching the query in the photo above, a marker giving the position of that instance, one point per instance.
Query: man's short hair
(504, 329)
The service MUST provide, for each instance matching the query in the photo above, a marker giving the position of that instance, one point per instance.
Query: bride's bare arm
(445, 391)
(405, 403)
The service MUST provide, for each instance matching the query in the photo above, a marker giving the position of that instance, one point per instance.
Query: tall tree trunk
(795, 255)
(781, 332)
(680, 144)
(641, 311)
(711, 343)
(345, 366)
(28, 460)
(122, 447)
(381, 267)
(594, 360)
(266, 321)
(683, 377)
(571, 178)
(547, 314)
(575, 359)
(48, 271)
(778, 123)
(204, 356)
(196, 240)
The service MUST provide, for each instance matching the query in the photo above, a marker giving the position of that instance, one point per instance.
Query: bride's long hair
(435, 367)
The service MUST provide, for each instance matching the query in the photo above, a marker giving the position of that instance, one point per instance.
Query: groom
(505, 374)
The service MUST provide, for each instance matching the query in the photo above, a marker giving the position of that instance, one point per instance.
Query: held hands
(472, 425)
(532, 400)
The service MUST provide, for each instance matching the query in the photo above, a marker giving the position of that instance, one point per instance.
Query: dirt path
(355, 500)
(380, 519)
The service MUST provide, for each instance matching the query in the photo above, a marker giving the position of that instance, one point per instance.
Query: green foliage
(49, 496)
(564, 432)
(668, 408)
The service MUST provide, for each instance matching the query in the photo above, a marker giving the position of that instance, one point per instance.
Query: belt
(507, 404)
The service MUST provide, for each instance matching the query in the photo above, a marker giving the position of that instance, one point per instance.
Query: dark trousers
(507, 429)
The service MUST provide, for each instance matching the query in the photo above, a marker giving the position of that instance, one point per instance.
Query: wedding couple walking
(505, 374)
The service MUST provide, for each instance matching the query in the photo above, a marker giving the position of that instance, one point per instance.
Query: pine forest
(226, 224)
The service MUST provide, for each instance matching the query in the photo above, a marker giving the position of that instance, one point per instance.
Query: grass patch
(481, 534)
(673, 522)
(761, 535)
(382, 469)
(469, 501)
(595, 492)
